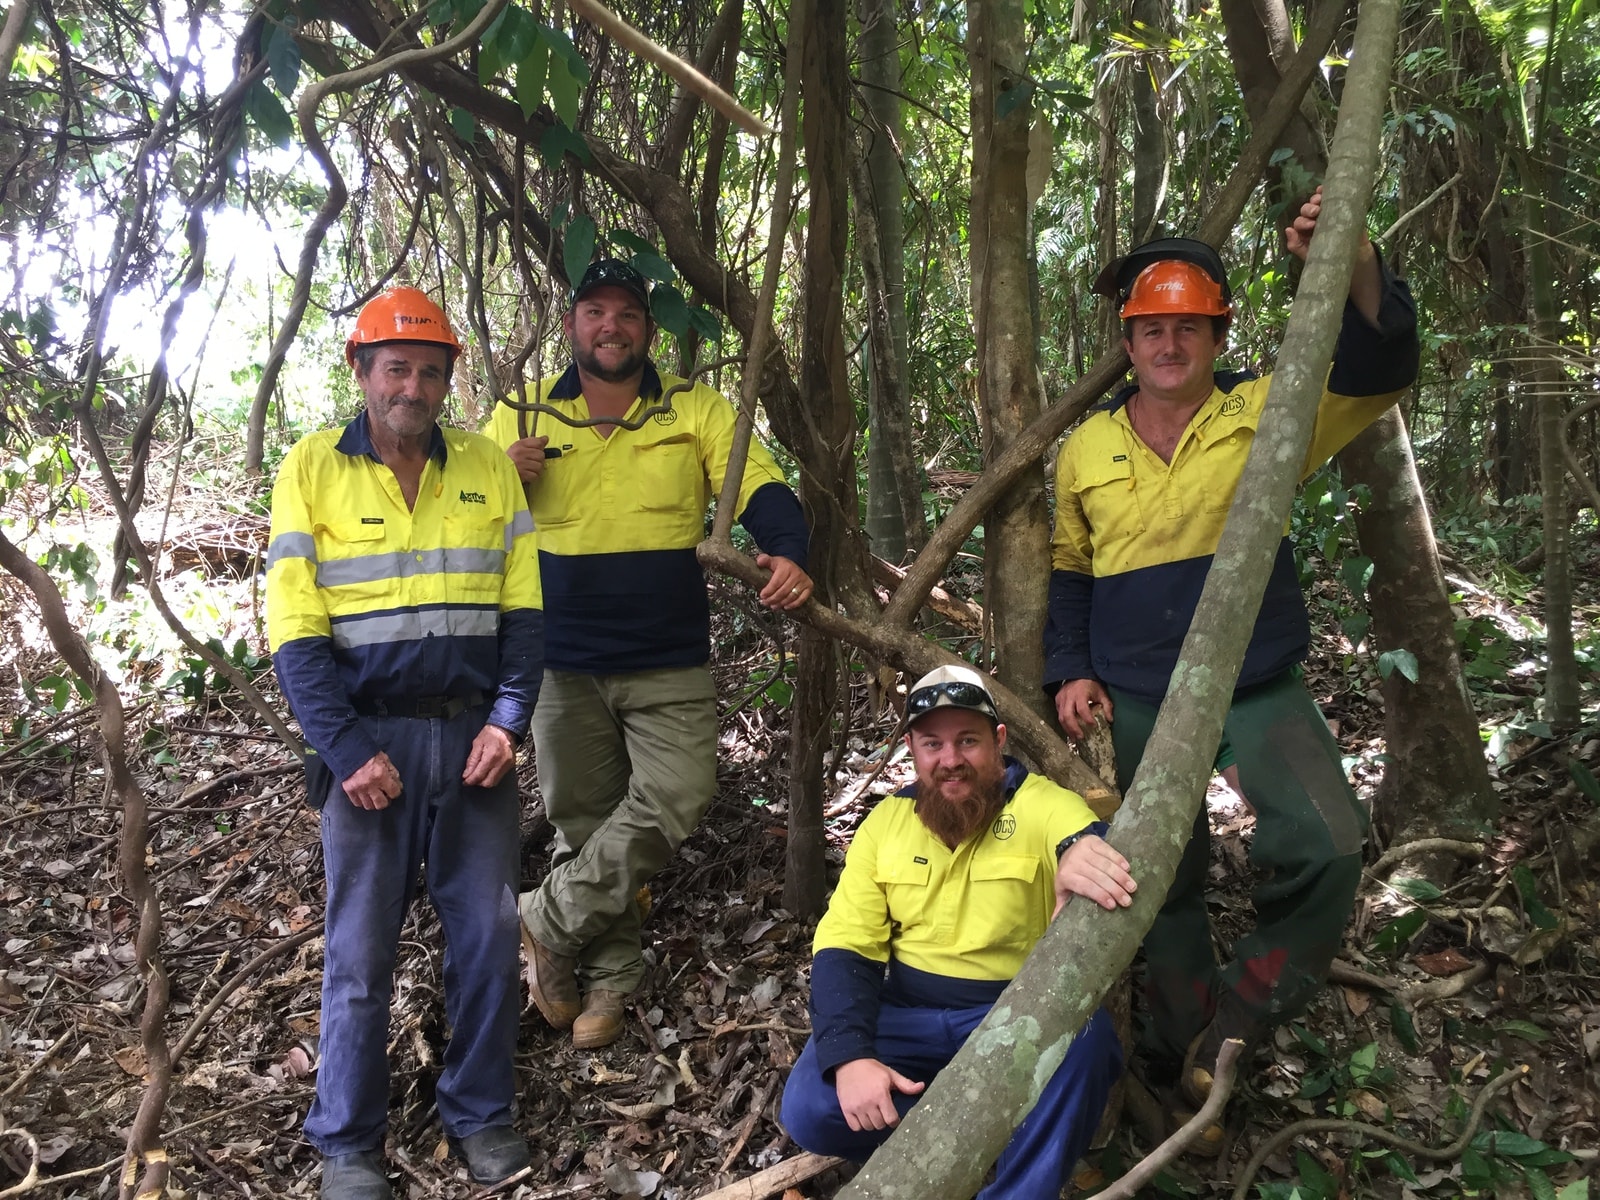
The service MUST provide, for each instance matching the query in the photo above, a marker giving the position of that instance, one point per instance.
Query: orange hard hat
(401, 314)
(1171, 285)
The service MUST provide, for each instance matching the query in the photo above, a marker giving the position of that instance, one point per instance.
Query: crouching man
(945, 890)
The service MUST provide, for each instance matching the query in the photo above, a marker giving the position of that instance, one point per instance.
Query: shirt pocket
(354, 567)
(1109, 500)
(905, 886)
(667, 486)
(1003, 905)
(473, 557)
(1231, 438)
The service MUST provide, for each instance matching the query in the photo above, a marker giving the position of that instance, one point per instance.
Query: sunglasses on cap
(955, 693)
(612, 272)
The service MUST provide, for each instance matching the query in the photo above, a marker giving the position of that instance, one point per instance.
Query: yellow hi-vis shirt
(370, 600)
(619, 518)
(972, 913)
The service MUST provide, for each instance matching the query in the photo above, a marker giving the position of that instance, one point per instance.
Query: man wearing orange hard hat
(405, 616)
(1143, 488)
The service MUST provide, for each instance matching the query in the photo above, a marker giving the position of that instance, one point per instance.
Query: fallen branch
(775, 1179)
(21, 1081)
(1148, 1167)
(1434, 990)
(31, 1179)
(1396, 854)
(1376, 1133)
(748, 1125)
(239, 976)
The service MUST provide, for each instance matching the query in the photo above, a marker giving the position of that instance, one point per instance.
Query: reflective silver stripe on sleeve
(375, 568)
(521, 524)
(291, 545)
(414, 625)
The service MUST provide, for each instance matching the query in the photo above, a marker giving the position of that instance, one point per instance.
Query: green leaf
(466, 128)
(705, 323)
(1009, 100)
(531, 74)
(563, 91)
(1419, 889)
(557, 142)
(1508, 1143)
(1355, 627)
(1526, 1030)
(1403, 661)
(1363, 1062)
(653, 266)
(1399, 1167)
(632, 242)
(781, 693)
(669, 309)
(1578, 1189)
(1399, 931)
(1528, 889)
(440, 12)
(283, 56)
(268, 115)
(1313, 1176)
(1584, 778)
(1405, 1029)
(578, 247)
(491, 49)
(561, 44)
(1539, 1185)
(1355, 571)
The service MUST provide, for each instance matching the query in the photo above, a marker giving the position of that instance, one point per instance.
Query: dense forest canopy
(900, 210)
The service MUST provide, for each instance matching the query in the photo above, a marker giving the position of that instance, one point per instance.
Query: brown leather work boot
(552, 982)
(1232, 1021)
(600, 1023)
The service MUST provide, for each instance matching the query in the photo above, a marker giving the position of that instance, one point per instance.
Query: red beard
(954, 821)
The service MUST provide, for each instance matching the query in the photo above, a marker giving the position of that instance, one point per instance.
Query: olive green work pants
(1307, 852)
(628, 766)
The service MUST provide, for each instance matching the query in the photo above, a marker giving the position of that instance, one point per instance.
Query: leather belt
(446, 707)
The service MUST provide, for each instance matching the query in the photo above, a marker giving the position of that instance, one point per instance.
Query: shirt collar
(1221, 381)
(357, 439)
(570, 386)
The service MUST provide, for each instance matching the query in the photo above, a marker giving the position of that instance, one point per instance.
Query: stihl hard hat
(1171, 286)
(1202, 290)
(401, 314)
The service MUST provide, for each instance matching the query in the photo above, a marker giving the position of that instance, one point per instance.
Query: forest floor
(1439, 992)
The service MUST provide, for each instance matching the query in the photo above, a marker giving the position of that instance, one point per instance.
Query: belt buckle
(433, 706)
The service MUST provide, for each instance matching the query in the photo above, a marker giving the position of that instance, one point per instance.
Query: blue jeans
(918, 1042)
(467, 838)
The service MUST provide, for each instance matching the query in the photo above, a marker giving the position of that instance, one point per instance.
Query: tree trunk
(1260, 43)
(1548, 386)
(895, 520)
(993, 1082)
(1149, 136)
(825, 89)
(1017, 528)
(1436, 782)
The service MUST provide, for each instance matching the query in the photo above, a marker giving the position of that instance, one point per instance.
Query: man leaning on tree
(1143, 488)
(626, 730)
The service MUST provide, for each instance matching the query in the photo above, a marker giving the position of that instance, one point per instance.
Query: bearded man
(945, 890)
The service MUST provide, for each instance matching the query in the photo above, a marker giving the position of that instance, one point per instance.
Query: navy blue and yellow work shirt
(368, 600)
(619, 518)
(1134, 536)
(917, 924)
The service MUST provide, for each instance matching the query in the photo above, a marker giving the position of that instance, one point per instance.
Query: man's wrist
(1094, 829)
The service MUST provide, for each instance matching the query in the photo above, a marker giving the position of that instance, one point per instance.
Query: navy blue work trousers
(918, 1042)
(467, 839)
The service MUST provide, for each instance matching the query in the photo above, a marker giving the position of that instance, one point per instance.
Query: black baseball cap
(613, 272)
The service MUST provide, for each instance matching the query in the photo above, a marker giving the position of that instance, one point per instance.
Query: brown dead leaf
(131, 1060)
(1372, 1105)
(1445, 962)
(793, 1194)
(1357, 1000)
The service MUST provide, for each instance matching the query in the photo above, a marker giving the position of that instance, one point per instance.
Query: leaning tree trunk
(1261, 42)
(825, 88)
(1017, 530)
(1149, 135)
(1436, 782)
(1006, 1061)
